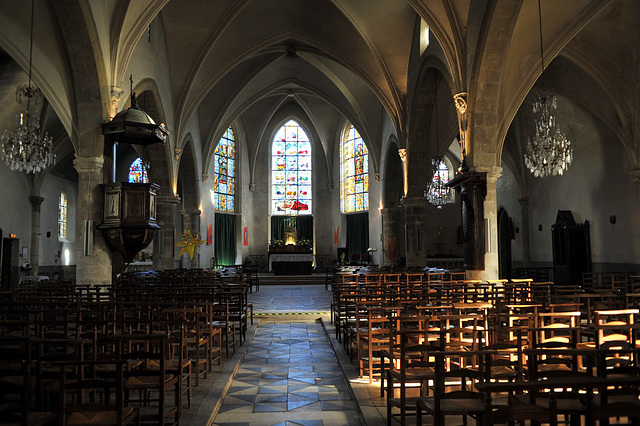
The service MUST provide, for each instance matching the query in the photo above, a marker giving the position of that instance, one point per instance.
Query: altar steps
(271, 279)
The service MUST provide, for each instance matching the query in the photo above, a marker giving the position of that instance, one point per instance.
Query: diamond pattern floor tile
(289, 372)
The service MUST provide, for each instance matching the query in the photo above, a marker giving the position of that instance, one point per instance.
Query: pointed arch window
(291, 171)
(354, 173)
(62, 216)
(138, 172)
(224, 181)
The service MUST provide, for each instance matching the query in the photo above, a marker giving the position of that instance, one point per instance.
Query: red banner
(336, 235)
(209, 234)
(246, 236)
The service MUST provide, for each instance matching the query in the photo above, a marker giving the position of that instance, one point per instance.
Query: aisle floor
(289, 376)
(291, 370)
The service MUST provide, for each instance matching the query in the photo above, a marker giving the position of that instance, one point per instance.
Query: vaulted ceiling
(335, 60)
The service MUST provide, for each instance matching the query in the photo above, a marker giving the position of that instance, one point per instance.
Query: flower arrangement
(304, 242)
(277, 243)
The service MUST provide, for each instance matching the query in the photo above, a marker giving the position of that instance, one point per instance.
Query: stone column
(94, 268)
(473, 189)
(191, 219)
(526, 237)
(36, 202)
(390, 226)
(164, 240)
(491, 258)
(415, 209)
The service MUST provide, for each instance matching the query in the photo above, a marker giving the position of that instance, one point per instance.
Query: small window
(224, 182)
(62, 216)
(354, 173)
(424, 36)
(138, 172)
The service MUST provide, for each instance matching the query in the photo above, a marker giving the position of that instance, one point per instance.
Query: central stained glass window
(224, 182)
(291, 171)
(354, 173)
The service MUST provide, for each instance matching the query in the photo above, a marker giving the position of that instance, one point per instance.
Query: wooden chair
(454, 389)
(148, 379)
(16, 384)
(410, 378)
(373, 338)
(220, 319)
(614, 412)
(78, 405)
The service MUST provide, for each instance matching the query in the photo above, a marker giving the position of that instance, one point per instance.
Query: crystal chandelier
(26, 149)
(437, 192)
(549, 152)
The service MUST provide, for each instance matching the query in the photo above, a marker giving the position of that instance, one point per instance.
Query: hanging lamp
(26, 149)
(549, 152)
(437, 193)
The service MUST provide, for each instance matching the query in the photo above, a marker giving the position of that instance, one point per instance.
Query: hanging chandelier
(549, 152)
(437, 192)
(26, 149)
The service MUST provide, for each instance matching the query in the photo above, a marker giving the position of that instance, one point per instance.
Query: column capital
(493, 172)
(402, 152)
(35, 200)
(167, 200)
(88, 164)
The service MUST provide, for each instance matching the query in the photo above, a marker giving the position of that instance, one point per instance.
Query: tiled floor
(287, 372)
(290, 299)
(289, 376)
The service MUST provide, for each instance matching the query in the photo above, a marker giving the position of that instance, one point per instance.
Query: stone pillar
(390, 226)
(472, 187)
(36, 202)
(526, 236)
(415, 209)
(94, 268)
(191, 219)
(491, 258)
(164, 240)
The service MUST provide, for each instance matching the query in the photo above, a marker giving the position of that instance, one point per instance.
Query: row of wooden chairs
(195, 336)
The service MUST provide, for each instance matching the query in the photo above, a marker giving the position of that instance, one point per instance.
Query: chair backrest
(602, 414)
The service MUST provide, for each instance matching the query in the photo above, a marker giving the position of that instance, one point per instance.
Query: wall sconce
(177, 152)
(539, 227)
(613, 219)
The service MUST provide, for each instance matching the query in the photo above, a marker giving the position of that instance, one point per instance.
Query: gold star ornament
(189, 243)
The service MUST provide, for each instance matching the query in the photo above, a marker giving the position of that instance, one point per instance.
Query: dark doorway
(505, 235)
(10, 263)
(571, 249)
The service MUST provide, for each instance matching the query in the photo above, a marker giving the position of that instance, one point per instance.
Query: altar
(291, 263)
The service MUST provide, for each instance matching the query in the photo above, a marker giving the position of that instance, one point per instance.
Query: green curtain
(304, 226)
(357, 234)
(225, 239)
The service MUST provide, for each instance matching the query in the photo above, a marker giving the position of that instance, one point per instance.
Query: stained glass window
(291, 171)
(62, 216)
(224, 172)
(138, 172)
(354, 173)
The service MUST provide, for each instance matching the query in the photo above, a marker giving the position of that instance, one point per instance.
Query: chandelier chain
(437, 193)
(549, 152)
(26, 149)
